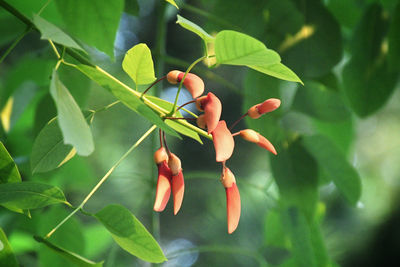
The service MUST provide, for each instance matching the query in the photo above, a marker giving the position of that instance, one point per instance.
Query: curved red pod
(163, 191)
(223, 142)
(193, 83)
(178, 189)
(254, 137)
(212, 107)
(232, 207)
(264, 143)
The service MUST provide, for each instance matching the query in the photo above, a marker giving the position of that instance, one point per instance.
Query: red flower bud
(163, 186)
(201, 121)
(212, 110)
(254, 137)
(267, 106)
(223, 142)
(232, 199)
(160, 155)
(178, 185)
(193, 83)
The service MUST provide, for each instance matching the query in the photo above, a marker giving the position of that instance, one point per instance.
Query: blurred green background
(347, 52)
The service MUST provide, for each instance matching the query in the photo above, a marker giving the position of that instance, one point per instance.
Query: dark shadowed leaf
(394, 40)
(367, 81)
(138, 64)
(296, 174)
(130, 234)
(128, 96)
(7, 257)
(73, 125)
(30, 195)
(335, 165)
(316, 100)
(72, 257)
(52, 32)
(94, 22)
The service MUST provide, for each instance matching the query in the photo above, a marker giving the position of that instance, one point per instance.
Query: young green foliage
(130, 234)
(73, 125)
(7, 257)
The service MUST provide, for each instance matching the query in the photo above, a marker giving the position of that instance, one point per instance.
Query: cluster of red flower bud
(169, 165)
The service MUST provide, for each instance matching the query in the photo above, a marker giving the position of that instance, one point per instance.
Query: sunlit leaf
(127, 96)
(173, 124)
(278, 70)
(49, 151)
(52, 32)
(130, 234)
(188, 25)
(138, 64)
(335, 165)
(95, 23)
(367, 80)
(72, 257)
(315, 100)
(30, 195)
(73, 125)
(172, 2)
(7, 257)
(235, 48)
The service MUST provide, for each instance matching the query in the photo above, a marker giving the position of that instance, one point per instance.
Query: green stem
(14, 44)
(105, 177)
(222, 249)
(108, 106)
(180, 84)
(54, 49)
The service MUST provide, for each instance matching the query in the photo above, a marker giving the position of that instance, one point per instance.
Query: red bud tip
(201, 122)
(264, 143)
(174, 163)
(268, 105)
(223, 142)
(194, 84)
(160, 155)
(232, 207)
(178, 189)
(172, 76)
(163, 187)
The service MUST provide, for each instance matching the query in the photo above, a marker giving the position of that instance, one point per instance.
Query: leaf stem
(54, 49)
(180, 84)
(237, 121)
(102, 180)
(154, 83)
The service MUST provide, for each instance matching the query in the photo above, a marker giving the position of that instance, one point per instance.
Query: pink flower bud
(193, 83)
(267, 106)
(178, 189)
(163, 186)
(212, 110)
(232, 199)
(223, 142)
(254, 137)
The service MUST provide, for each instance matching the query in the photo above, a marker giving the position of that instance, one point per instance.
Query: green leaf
(132, 7)
(298, 229)
(69, 255)
(130, 234)
(8, 170)
(49, 151)
(73, 125)
(94, 22)
(173, 124)
(127, 96)
(316, 100)
(296, 175)
(138, 64)
(172, 2)
(367, 80)
(9, 174)
(7, 257)
(335, 165)
(278, 70)
(235, 48)
(394, 40)
(188, 25)
(317, 47)
(30, 195)
(52, 32)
